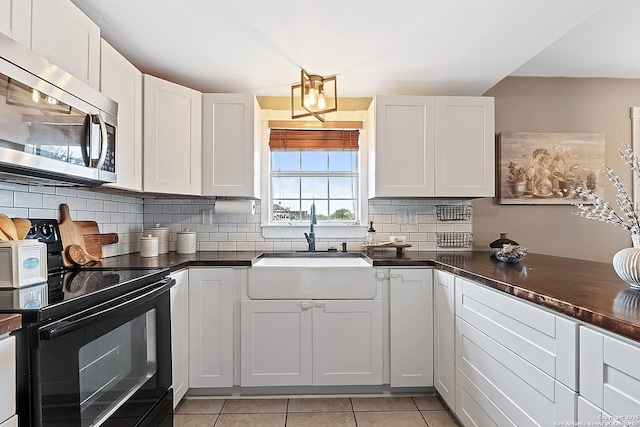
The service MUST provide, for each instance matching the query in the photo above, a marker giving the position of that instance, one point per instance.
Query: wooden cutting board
(70, 233)
(94, 242)
(93, 239)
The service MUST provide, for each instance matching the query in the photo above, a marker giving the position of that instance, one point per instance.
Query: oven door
(109, 365)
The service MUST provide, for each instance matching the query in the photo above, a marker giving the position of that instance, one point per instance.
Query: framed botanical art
(540, 168)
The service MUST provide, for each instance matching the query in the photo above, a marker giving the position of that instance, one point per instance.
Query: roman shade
(313, 139)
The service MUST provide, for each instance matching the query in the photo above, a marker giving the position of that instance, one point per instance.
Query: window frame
(323, 230)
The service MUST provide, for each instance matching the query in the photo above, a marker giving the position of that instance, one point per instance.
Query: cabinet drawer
(524, 393)
(7, 377)
(610, 374)
(543, 339)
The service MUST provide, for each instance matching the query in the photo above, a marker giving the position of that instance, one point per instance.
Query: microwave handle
(54, 330)
(103, 142)
(85, 143)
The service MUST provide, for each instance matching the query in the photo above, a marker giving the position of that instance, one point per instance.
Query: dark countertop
(585, 290)
(9, 323)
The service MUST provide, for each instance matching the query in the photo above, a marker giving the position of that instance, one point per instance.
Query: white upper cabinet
(428, 146)
(403, 151)
(172, 138)
(230, 145)
(15, 20)
(121, 81)
(61, 33)
(465, 147)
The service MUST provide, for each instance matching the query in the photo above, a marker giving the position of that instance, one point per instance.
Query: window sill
(323, 231)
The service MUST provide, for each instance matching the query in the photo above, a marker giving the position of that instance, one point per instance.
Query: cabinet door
(210, 327)
(122, 82)
(403, 152)
(444, 335)
(347, 342)
(464, 147)
(172, 138)
(609, 373)
(61, 33)
(7, 377)
(180, 335)
(276, 343)
(230, 147)
(15, 20)
(411, 300)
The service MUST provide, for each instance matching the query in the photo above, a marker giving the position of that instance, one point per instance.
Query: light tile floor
(317, 412)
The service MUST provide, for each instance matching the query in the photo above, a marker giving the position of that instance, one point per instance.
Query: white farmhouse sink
(310, 277)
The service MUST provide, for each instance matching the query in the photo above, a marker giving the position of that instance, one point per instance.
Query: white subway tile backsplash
(6, 198)
(227, 246)
(66, 191)
(23, 199)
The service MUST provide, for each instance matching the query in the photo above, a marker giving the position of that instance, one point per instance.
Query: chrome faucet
(311, 237)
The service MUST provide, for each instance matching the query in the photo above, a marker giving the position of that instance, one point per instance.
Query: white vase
(627, 263)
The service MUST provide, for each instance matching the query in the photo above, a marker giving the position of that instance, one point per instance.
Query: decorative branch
(601, 210)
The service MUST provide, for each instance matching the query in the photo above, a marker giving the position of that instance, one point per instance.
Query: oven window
(114, 366)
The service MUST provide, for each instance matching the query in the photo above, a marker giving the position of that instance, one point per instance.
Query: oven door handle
(61, 327)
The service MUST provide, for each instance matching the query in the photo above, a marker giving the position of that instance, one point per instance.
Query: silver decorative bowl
(512, 254)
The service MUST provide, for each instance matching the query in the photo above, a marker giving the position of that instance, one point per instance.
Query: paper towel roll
(247, 207)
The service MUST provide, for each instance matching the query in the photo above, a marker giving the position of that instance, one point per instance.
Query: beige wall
(528, 104)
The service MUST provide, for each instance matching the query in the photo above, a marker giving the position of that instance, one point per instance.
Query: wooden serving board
(93, 239)
(399, 246)
(70, 233)
(94, 242)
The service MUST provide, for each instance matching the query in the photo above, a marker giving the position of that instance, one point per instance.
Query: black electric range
(90, 331)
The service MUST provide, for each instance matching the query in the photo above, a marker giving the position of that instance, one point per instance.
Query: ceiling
(417, 47)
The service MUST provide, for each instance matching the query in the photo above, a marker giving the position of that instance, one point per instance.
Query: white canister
(162, 234)
(148, 246)
(186, 242)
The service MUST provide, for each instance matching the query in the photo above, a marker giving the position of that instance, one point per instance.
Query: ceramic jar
(186, 242)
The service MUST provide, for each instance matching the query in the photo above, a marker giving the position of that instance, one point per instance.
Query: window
(314, 166)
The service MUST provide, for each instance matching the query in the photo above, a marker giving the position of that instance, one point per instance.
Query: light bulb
(306, 101)
(35, 95)
(313, 96)
(322, 103)
(51, 100)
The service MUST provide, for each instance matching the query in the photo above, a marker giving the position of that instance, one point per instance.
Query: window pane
(342, 161)
(286, 210)
(286, 160)
(285, 188)
(342, 210)
(322, 210)
(315, 187)
(314, 160)
(342, 188)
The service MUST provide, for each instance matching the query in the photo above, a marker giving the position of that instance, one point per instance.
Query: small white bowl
(398, 239)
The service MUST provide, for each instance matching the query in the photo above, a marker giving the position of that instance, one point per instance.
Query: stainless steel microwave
(54, 128)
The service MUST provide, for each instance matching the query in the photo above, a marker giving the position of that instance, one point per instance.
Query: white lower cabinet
(180, 335)
(444, 361)
(8, 381)
(610, 375)
(296, 342)
(411, 330)
(211, 304)
(590, 415)
(516, 363)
